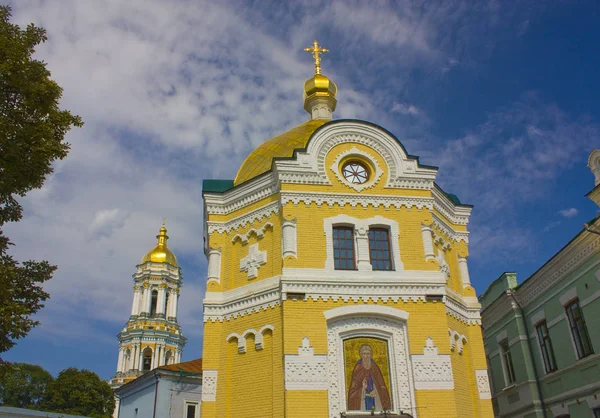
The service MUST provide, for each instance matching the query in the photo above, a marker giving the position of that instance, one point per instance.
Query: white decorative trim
(556, 320)
(241, 196)
(335, 167)
(241, 221)
(432, 370)
(259, 232)
(354, 200)
(252, 262)
(457, 341)
(258, 338)
(214, 265)
(289, 247)
(470, 315)
(209, 385)
(262, 295)
(343, 325)
(360, 290)
(458, 215)
(427, 236)
(483, 384)
(378, 310)
(568, 296)
(361, 240)
(446, 229)
(305, 371)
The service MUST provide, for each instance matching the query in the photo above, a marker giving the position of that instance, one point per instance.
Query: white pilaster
(140, 359)
(464, 271)
(160, 305)
(427, 242)
(135, 305)
(120, 361)
(175, 304)
(288, 232)
(148, 300)
(214, 264)
(363, 258)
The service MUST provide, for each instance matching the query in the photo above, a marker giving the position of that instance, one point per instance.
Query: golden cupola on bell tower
(152, 336)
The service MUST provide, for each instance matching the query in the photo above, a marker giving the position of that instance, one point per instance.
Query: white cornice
(240, 221)
(242, 196)
(354, 200)
(441, 224)
(563, 263)
(466, 310)
(456, 214)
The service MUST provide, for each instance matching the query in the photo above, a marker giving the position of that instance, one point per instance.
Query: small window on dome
(355, 172)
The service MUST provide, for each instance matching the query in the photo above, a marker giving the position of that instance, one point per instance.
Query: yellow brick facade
(255, 326)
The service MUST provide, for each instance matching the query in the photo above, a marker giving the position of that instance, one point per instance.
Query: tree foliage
(79, 392)
(32, 131)
(23, 385)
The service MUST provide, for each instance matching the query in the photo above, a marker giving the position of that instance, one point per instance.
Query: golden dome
(260, 160)
(160, 253)
(319, 85)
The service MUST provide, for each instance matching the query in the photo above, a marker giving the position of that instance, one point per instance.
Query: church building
(338, 281)
(151, 337)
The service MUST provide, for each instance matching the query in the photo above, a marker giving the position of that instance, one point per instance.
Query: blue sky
(502, 96)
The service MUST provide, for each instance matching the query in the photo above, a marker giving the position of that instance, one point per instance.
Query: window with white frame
(379, 248)
(546, 347)
(507, 363)
(579, 331)
(362, 244)
(343, 248)
(192, 410)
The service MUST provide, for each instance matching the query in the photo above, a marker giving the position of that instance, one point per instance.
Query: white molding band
(241, 221)
(259, 232)
(362, 310)
(355, 200)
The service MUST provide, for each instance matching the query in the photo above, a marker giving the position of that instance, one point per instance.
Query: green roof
(216, 186)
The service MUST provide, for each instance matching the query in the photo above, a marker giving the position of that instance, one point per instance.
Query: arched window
(147, 365)
(169, 357)
(166, 309)
(154, 302)
(127, 360)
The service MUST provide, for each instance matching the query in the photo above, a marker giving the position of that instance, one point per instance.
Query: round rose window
(355, 173)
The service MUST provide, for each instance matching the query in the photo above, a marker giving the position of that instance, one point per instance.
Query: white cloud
(406, 109)
(568, 213)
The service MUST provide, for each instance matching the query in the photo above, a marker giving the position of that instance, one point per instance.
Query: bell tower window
(154, 303)
(147, 361)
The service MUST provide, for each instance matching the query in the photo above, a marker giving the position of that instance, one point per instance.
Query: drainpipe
(535, 373)
(157, 376)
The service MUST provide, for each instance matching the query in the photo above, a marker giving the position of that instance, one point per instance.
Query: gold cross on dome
(315, 50)
(164, 223)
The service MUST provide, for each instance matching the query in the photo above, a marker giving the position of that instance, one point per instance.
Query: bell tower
(152, 337)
